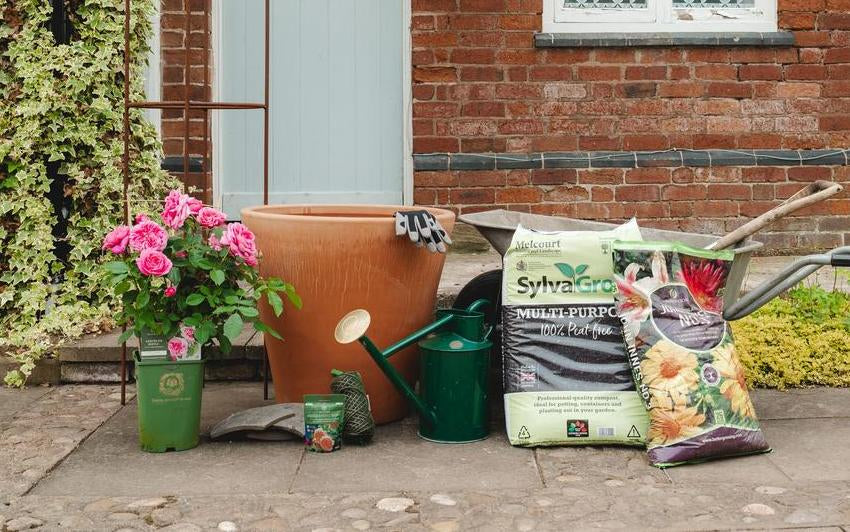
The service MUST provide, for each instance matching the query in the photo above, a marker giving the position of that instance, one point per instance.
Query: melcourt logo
(576, 282)
(537, 244)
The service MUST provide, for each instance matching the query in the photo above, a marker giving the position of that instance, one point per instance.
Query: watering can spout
(353, 326)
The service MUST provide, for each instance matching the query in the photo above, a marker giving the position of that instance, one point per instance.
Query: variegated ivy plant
(65, 103)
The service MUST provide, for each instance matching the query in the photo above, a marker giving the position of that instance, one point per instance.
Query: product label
(547, 268)
(557, 347)
(556, 418)
(677, 317)
(152, 346)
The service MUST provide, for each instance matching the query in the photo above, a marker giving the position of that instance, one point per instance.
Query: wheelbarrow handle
(809, 195)
(787, 278)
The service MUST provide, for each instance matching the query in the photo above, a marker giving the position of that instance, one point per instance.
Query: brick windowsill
(596, 40)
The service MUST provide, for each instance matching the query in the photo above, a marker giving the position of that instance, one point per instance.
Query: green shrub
(801, 339)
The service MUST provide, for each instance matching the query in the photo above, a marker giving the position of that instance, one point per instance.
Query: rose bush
(193, 284)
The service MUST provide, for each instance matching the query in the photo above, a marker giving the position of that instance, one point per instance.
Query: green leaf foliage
(64, 103)
(233, 327)
(801, 339)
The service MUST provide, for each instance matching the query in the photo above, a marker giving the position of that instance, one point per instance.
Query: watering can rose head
(189, 276)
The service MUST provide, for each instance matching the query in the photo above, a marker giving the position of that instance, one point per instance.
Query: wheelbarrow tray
(498, 227)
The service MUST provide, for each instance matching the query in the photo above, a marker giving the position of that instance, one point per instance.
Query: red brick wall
(701, 200)
(173, 49)
(481, 86)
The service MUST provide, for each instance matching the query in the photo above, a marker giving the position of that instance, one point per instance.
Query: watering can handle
(478, 303)
(809, 195)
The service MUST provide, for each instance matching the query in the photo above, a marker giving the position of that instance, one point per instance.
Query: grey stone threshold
(628, 159)
(597, 40)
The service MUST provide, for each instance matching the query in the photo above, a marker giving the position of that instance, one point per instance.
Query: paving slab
(745, 470)
(398, 459)
(594, 469)
(13, 400)
(110, 463)
(802, 403)
(811, 449)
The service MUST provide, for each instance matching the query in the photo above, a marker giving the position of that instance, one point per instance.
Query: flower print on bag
(669, 368)
(686, 368)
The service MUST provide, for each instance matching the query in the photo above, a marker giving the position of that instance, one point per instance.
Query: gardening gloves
(423, 230)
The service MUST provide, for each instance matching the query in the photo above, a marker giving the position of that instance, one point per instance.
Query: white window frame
(659, 17)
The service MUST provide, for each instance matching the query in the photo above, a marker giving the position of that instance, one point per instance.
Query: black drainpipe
(60, 26)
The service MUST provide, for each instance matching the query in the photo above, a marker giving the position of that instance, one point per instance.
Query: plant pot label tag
(152, 346)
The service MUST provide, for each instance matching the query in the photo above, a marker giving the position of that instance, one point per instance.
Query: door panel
(336, 102)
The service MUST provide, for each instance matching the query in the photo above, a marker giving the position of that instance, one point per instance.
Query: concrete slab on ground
(803, 403)
(402, 482)
(109, 463)
(399, 460)
(13, 401)
(811, 449)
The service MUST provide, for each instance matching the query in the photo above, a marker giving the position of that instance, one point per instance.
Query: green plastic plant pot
(168, 395)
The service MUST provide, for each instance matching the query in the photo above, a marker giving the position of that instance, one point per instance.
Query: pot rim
(362, 213)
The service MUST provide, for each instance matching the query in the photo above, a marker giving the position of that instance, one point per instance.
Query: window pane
(729, 4)
(605, 4)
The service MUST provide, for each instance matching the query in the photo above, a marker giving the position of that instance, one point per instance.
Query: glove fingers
(422, 225)
(438, 229)
(400, 224)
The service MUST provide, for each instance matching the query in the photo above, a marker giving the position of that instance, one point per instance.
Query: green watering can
(455, 364)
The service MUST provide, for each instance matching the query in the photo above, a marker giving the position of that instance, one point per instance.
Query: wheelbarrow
(498, 227)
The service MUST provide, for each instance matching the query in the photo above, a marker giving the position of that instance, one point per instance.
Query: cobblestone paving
(37, 438)
(568, 505)
(576, 488)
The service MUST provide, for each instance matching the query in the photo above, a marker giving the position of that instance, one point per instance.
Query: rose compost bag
(566, 376)
(670, 298)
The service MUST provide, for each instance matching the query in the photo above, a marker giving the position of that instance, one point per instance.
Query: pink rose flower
(240, 240)
(153, 262)
(195, 205)
(181, 254)
(215, 243)
(170, 291)
(187, 332)
(177, 348)
(209, 217)
(148, 235)
(117, 239)
(141, 218)
(176, 210)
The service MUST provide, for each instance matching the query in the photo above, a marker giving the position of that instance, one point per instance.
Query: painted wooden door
(336, 102)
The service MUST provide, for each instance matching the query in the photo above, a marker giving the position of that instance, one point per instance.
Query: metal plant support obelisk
(187, 105)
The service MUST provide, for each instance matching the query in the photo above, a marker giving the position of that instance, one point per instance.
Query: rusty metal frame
(188, 105)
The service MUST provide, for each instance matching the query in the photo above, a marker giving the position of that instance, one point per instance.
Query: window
(658, 16)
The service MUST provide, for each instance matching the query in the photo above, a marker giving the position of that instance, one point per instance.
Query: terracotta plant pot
(343, 257)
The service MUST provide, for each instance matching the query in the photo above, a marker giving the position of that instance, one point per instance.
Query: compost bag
(670, 298)
(566, 376)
